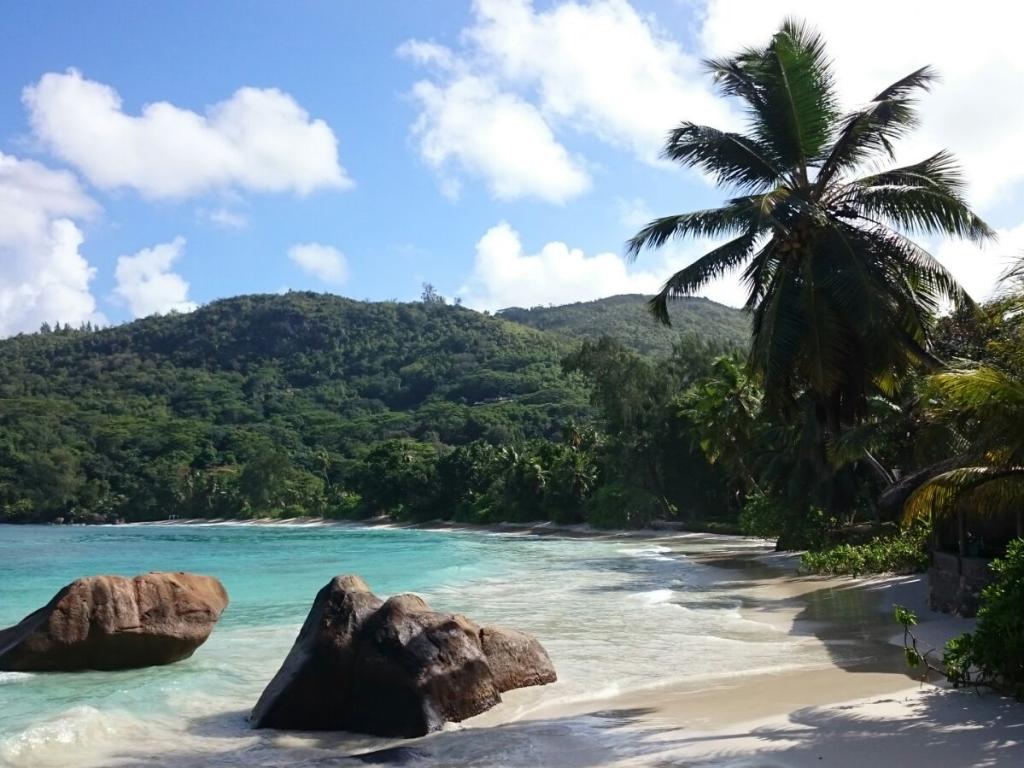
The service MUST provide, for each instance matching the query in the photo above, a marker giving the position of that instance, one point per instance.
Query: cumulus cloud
(324, 262)
(971, 111)
(469, 125)
(505, 275)
(43, 276)
(600, 67)
(498, 106)
(257, 140)
(147, 284)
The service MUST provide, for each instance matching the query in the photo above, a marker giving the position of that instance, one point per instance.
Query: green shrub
(996, 647)
(345, 505)
(992, 655)
(905, 552)
(621, 506)
(768, 517)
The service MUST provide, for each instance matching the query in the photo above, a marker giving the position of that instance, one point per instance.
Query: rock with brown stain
(393, 668)
(517, 659)
(115, 622)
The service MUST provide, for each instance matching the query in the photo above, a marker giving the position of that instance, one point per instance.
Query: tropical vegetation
(843, 302)
(304, 404)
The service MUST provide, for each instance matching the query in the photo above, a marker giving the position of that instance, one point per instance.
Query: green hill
(126, 418)
(200, 413)
(626, 319)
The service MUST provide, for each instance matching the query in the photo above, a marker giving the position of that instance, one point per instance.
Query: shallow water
(614, 615)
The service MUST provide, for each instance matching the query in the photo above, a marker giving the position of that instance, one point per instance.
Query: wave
(7, 678)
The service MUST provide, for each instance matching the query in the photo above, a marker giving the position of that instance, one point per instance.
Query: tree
(430, 295)
(842, 300)
(988, 404)
(983, 403)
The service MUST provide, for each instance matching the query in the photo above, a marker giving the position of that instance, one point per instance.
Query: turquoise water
(588, 601)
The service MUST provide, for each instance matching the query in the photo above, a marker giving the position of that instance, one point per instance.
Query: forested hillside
(626, 319)
(316, 404)
(135, 418)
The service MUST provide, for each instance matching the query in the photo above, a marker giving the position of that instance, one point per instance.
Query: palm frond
(738, 76)
(984, 391)
(1013, 275)
(923, 210)
(872, 129)
(902, 262)
(799, 103)
(729, 157)
(988, 405)
(941, 172)
(988, 490)
(778, 330)
(742, 214)
(713, 264)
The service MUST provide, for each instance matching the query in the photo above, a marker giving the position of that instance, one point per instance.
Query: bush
(996, 647)
(768, 517)
(621, 506)
(992, 655)
(346, 505)
(905, 552)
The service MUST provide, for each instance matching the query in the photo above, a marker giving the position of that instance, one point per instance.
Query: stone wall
(955, 583)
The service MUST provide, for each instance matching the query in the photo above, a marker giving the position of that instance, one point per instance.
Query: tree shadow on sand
(592, 740)
(940, 728)
(943, 727)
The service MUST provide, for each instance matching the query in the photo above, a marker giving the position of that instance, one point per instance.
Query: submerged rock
(114, 622)
(393, 668)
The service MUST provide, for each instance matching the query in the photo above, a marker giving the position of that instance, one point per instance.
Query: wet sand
(862, 709)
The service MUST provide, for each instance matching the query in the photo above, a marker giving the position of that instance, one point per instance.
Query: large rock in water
(394, 668)
(114, 622)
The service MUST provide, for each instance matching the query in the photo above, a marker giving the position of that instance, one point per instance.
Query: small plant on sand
(992, 655)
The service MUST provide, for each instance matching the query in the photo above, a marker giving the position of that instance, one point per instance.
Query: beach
(673, 649)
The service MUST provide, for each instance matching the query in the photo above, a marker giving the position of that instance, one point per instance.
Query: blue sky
(502, 151)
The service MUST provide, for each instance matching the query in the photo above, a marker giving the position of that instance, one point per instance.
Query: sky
(158, 156)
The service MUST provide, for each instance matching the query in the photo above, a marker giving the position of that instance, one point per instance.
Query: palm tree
(842, 299)
(989, 405)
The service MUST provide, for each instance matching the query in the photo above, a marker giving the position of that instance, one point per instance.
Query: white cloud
(973, 111)
(257, 140)
(979, 268)
(504, 275)
(599, 67)
(147, 284)
(469, 125)
(225, 218)
(324, 262)
(498, 106)
(43, 277)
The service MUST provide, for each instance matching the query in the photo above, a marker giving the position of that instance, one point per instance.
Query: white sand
(870, 714)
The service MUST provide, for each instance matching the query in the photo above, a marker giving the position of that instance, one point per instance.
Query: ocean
(616, 615)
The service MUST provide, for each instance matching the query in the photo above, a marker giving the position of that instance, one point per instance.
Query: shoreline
(851, 711)
(846, 714)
